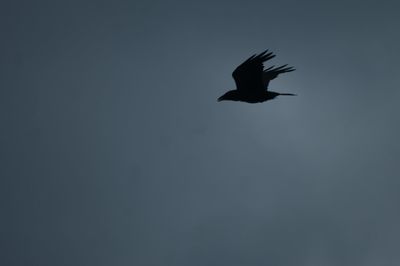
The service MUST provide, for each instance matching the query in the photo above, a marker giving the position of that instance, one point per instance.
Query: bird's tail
(290, 94)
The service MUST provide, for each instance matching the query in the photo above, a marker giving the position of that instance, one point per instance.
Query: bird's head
(229, 96)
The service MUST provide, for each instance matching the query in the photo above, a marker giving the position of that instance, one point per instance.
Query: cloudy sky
(114, 150)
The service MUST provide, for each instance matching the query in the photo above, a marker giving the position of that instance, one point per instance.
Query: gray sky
(114, 150)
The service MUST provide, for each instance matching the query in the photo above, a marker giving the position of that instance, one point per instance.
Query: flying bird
(252, 80)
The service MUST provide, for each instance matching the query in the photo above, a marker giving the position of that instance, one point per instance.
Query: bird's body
(257, 97)
(252, 80)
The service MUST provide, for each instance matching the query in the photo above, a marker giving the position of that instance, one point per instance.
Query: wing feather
(249, 75)
(272, 72)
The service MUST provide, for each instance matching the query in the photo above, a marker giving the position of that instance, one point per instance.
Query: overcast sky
(114, 150)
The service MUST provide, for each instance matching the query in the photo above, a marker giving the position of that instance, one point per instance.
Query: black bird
(252, 80)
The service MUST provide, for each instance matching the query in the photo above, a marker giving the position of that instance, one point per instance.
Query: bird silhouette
(252, 80)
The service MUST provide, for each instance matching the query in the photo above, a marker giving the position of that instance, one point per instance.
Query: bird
(252, 80)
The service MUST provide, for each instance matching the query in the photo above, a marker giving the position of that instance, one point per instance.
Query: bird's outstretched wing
(272, 72)
(249, 75)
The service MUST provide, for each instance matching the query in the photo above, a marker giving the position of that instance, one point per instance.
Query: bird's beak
(220, 99)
